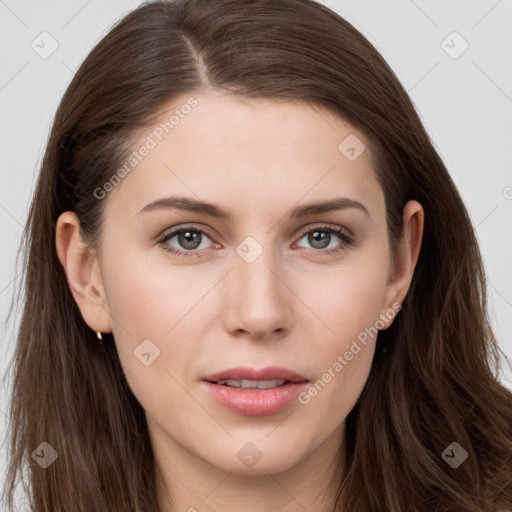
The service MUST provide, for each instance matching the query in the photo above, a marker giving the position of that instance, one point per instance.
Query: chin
(257, 455)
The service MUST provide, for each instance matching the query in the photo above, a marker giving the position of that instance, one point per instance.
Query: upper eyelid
(168, 233)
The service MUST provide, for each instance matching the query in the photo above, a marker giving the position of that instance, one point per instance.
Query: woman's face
(268, 285)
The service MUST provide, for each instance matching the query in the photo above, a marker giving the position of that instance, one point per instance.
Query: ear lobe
(405, 256)
(83, 273)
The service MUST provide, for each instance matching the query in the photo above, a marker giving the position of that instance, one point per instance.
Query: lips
(255, 392)
(246, 373)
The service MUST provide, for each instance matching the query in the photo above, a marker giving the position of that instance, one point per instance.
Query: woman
(251, 282)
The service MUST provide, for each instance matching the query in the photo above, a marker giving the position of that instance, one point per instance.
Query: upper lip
(246, 373)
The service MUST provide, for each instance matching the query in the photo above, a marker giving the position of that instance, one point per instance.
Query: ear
(83, 273)
(404, 260)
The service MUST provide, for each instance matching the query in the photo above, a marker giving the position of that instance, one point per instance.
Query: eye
(191, 239)
(320, 239)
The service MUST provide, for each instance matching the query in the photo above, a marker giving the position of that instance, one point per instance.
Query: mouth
(255, 392)
(252, 384)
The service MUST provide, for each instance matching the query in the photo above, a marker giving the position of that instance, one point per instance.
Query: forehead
(242, 150)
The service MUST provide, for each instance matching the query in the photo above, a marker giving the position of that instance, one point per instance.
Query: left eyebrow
(339, 203)
(194, 205)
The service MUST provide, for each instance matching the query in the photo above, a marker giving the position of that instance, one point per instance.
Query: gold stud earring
(98, 334)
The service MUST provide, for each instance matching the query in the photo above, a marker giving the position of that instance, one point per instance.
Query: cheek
(146, 300)
(349, 297)
(343, 361)
(135, 298)
(145, 310)
(349, 304)
(140, 306)
(156, 321)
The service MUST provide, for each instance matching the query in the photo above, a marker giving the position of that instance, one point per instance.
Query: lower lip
(261, 402)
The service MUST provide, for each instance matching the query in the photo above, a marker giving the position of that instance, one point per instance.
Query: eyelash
(346, 237)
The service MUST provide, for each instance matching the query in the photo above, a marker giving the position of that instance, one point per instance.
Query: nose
(259, 301)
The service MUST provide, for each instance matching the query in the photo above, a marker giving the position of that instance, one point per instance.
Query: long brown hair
(434, 379)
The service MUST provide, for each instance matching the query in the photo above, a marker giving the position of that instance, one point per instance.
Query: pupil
(318, 239)
(189, 239)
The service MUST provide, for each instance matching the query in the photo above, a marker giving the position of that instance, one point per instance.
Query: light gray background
(464, 102)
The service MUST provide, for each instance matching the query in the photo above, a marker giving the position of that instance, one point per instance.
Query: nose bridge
(258, 299)
(255, 265)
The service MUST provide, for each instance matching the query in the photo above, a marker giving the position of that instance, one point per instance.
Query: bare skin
(295, 306)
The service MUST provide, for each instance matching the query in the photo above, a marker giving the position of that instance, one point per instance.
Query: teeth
(252, 384)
